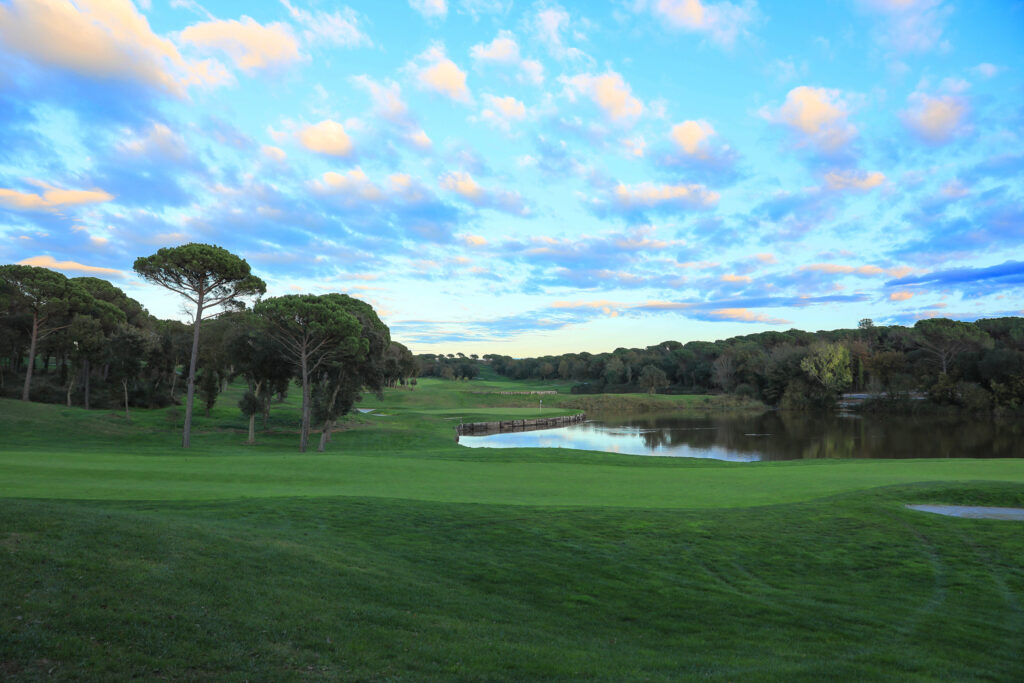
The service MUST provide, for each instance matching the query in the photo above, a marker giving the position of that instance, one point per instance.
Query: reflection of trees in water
(790, 435)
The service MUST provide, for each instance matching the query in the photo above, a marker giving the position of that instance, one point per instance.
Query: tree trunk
(174, 379)
(325, 436)
(127, 416)
(186, 438)
(31, 358)
(88, 376)
(306, 407)
(254, 387)
(71, 385)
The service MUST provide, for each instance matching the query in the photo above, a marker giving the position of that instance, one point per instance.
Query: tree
(944, 339)
(127, 349)
(256, 356)
(48, 297)
(653, 378)
(209, 277)
(312, 330)
(828, 367)
(352, 370)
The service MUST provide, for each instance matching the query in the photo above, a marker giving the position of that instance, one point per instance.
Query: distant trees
(797, 369)
(208, 276)
(50, 301)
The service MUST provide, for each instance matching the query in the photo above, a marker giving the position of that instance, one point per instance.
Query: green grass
(398, 555)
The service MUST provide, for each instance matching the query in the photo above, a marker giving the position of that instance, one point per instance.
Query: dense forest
(977, 366)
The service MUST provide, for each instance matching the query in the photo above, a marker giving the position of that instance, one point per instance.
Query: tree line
(974, 365)
(83, 341)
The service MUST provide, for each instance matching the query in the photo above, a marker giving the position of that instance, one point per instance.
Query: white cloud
(693, 137)
(549, 25)
(502, 111)
(817, 114)
(722, 22)
(986, 70)
(464, 185)
(649, 195)
(387, 99)
(327, 137)
(936, 119)
(101, 39)
(48, 261)
(337, 28)
(159, 141)
(354, 186)
(421, 140)
(432, 70)
(275, 153)
(610, 92)
(504, 51)
(250, 44)
(51, 199)
(853, 180)
(430, 8)
(911, 25)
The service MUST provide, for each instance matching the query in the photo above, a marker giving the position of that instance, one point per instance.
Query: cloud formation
(48, 261)
(650, 196)
(502, 111)
(432, 70)
(818, 116)
(51, 199)
(248, 43)
(100, 39)
(340, 27)
(430, 9)
(936, 119)
(504, 51)
(722, 22)
(853, 180)
(609, 92)
(464, 185)
(327, 137)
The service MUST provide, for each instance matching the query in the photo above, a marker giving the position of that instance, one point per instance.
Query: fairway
(399, 555)
(698, 486)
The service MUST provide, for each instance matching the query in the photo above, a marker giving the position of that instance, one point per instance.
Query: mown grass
(398, 555)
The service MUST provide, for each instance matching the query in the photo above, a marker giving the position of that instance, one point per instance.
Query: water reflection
(778, 436)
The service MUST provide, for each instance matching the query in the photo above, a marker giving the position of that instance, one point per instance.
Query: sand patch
(972, 512)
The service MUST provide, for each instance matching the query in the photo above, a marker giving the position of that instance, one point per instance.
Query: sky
(530, 178)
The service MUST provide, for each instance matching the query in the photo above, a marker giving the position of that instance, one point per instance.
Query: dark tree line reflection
(779, 435)
(790, 436)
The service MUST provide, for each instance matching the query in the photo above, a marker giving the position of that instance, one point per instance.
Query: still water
(778, 436)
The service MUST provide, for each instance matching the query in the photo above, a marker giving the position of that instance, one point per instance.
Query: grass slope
(398, 555)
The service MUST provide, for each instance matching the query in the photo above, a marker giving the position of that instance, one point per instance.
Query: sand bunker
(973, 512)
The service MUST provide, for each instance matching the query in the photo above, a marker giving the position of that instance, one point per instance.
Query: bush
(973, 397)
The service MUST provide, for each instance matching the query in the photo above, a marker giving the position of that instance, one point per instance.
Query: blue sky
(530, 178)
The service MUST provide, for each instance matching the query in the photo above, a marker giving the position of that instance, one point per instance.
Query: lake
(777, 436)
